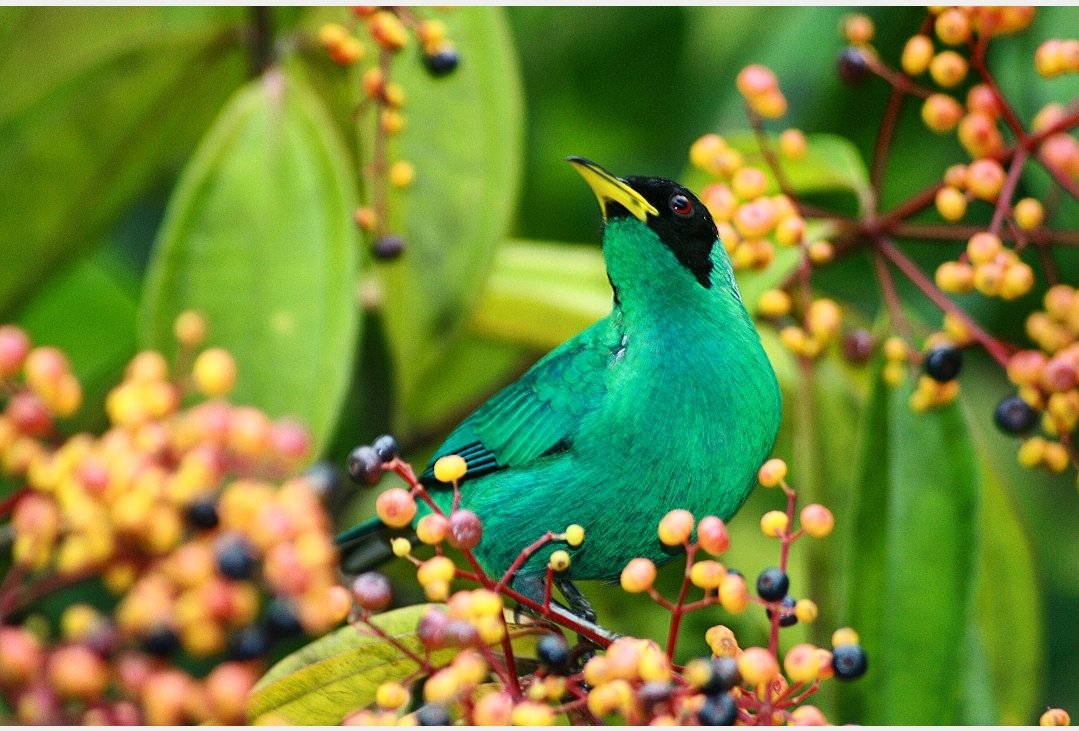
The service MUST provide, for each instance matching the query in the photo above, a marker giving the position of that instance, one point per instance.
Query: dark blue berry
(553, 652)
(1013, 415)
(364, 465)
(787, 617)
(202, 514)
(849, 662)
(386, 447)
(724, 676)
(772, 584)
(943, 364)
(161, 641)
(281, 619)
(235, 559)
(852, 66)
(718, 710)
(441, 63)
(249, 643)
(387, 247)
(433, 714)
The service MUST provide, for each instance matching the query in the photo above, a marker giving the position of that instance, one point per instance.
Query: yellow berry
(401, 547)
(1031, 452)
(530, 713)
(676, 527)
(1055, 457)
(792, 144)
(917, 53)
(954, 276)
(331, 34)
(402, 174)
(774, 523)
(721, 640)
(559, 561)
(432, 529)
(821, 252)
(985, 179)
(806, 610)
(450, 468)
(951, 203)
(749, 183)
(941, 113)
(733, 595)
(858, 28)
(391, 695)
(1018, 280)
(1028, 214)
(436, 568)
(895, 349)
(707, 574)
(844, 636)
(575, 535)
(772, 472)
(948, 68)
(214, 372)
(703, 151)
(983, 247)
(952, 26)
(802, 663)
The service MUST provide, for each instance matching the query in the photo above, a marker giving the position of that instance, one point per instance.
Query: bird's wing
(538, 414)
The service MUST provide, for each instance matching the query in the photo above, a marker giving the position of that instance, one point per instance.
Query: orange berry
(858, 29)
(749, 182)
(755, 79)
(675, 527)
(792, 144)
(76, 671)
(985, 178)
(979, 135)
(757, 666)
(720, 201)
(395, 507)
(365, 218)
(808, 715)
(755, 219)
(952, 26)
(733, 595)
(770, 105)
(821, 252)
(703, 151)
(948, 68)
(189, 328)
(493, 709)
(801, 663)
(773, 303)
(387, 30)
(346, 52)
(712, 535)
(980, 98)
(638, 575)
(14, 346)
(941, 113)
(1048, 59)
(817, 520)
(432, 529)
(917, 53)
(1054, 717)
(790, 230)
(21, 657)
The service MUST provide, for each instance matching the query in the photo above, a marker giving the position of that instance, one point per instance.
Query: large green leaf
(258, 236)
(911, 564)
(339, 673)
(97, 102)
(463, 137)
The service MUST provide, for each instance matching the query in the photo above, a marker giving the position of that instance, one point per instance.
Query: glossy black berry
(161, 641)
(719, 710)
(249, 643)
(943, 364)
(235, 559)
(386, 447)
(553, 652)
(787, 617)
(724, 676)
(387, 247)
(849, 662)
(441, 63)
(281, 620)
(433, 714)
(1013, 415)
(202, 514)
(772, 585)
(364, 465)
(852, 66)
(323, 478)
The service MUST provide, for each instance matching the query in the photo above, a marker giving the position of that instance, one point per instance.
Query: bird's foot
(579, 613)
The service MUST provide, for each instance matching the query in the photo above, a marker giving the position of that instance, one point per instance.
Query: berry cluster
(629, 678)
(192, 519)
(944, 68)
(389, 30)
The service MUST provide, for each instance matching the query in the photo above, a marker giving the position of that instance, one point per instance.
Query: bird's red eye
(681, 205)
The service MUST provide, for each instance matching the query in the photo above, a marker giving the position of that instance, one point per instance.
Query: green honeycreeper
(668, 402)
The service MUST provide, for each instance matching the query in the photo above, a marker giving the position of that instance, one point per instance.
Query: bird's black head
(676, 215)
(682, 223)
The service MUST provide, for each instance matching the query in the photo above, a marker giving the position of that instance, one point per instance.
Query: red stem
(679, 605)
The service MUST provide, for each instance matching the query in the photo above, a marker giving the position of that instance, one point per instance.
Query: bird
(669, 402)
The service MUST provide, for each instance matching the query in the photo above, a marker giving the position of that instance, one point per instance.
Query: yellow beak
(609, 188)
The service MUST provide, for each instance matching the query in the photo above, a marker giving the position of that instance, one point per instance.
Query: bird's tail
(367, 545)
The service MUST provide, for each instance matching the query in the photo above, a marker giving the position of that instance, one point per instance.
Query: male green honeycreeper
(668, 402)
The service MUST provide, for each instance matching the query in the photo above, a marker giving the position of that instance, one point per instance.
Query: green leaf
(339, 673)
(464, 138)
(258, 236)
(911, 564)
(97, 103)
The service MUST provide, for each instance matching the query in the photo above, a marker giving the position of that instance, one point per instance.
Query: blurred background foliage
(152, 161)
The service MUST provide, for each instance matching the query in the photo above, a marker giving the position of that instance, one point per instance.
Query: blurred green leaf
(911, 564)
(340, 672)
(463, 137)
(259, 238)
(97, 103)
